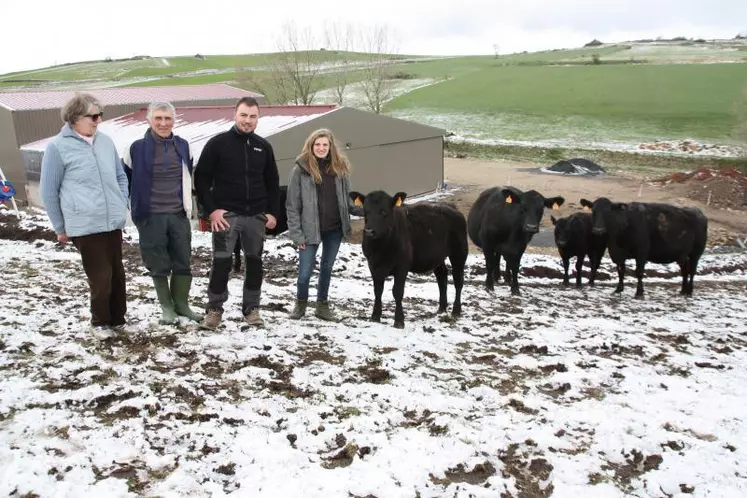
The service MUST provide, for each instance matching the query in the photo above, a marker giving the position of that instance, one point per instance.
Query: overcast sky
(38, 33)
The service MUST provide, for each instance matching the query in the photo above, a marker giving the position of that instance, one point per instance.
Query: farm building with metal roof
(29, 116)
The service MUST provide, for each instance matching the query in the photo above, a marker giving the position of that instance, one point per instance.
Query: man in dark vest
(159, 168)
(237, 186)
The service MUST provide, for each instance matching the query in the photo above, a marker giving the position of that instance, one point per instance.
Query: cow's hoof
(399, 325)
(617, 290)
(515, 292)
(578, 285)
(441, 309)
(638, 296)
(565, 284)
(375, 318)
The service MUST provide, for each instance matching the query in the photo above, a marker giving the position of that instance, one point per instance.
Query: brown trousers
(102, 261)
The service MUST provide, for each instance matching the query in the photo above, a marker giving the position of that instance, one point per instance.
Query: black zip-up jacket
(237, 172)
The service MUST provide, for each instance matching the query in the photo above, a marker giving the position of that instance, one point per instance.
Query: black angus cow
(574, 237)
(501, 222)
(399, 239)
(659, 233)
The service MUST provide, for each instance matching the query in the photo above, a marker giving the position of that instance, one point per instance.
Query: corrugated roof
(198, 124)
(24, 101)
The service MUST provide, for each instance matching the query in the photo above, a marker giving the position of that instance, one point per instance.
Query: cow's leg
(457, 273)
(442, 277)
(640, 266)
(398, 291)
(512, 264)
(684, 273)
(497, 272)
(490, 266)
(595, 260)
(378, 289)
(620, 277)
(693, 267)
(566, 264)
(579, 267)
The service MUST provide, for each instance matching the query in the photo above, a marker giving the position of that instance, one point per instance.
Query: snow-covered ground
(562, 391)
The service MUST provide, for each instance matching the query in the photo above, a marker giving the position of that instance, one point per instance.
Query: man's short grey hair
(78, 106)
(161, 106)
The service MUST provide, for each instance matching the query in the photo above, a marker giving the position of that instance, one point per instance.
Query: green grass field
(626, 101)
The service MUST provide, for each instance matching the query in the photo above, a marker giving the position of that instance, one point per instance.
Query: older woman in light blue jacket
(84, 190)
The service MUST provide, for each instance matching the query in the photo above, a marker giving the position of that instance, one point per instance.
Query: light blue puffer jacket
(83, 186)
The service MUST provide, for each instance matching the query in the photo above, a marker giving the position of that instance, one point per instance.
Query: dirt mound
(575, 166)
(690, 147)
(722, 188)
(11, 229)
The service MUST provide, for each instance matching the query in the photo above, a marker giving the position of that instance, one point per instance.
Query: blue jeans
(306, 258)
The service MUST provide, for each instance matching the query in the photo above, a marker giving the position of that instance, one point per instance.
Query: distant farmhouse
(29, 116)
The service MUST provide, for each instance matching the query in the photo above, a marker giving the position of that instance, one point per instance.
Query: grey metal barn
(29, 116)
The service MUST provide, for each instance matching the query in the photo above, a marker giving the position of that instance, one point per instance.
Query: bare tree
(377, 83)
(294, 70)
(340, 38)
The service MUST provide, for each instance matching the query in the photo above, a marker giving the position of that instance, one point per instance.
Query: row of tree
(352, 55)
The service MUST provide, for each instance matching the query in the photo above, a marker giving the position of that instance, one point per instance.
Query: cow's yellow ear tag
(399, 202)
(509, 200)
(555, 206)
(358, 201)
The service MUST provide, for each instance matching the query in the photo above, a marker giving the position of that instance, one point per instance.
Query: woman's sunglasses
(95, 117)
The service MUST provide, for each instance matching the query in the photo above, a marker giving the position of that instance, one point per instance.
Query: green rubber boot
(168, 316)
(180, 285)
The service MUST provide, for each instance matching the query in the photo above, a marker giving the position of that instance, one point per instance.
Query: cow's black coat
(574, 237)
(399, 239)
(659, 233)
(501, 222)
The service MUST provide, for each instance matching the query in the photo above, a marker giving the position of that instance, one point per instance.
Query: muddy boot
(168, 316)
(180, 285)
(299, 310)
(212, 319)
(324, 312)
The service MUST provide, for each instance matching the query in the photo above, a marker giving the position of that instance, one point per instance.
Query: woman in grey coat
(319, 209)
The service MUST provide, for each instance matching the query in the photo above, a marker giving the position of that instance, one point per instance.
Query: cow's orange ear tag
(399, 202)
(358, 201)
(555, 206)
(509, 200)
(587, 209)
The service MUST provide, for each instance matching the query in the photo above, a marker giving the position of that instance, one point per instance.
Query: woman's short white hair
(161, 106)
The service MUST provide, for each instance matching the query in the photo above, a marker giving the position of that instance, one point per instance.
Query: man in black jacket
(237, 185)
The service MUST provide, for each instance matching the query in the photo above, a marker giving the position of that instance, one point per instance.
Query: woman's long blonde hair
(338, 164)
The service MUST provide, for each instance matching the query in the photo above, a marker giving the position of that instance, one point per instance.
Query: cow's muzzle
(598, 231)
(531, 228)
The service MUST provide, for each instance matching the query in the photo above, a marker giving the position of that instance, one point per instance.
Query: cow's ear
(619, 206)
(399, 198)
(554, 221)
(357, 198)
(554, 202)
(586, 204)
(510, 197)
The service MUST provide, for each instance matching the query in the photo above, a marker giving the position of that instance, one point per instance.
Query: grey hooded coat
(302, 205)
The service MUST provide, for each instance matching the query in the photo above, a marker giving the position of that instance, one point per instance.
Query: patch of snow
(591, 393)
